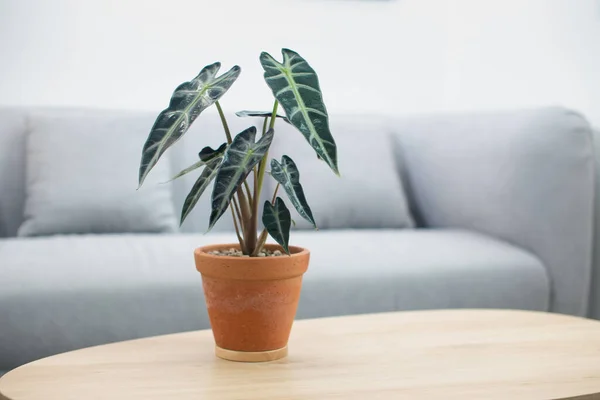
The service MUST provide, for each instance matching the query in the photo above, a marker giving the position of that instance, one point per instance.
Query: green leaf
(206, 177)
(286, 173)
(296, 86)
(246, 113)
(241, 156)
(205, 155)
(189, 169)
(277, 221)
(187, 102)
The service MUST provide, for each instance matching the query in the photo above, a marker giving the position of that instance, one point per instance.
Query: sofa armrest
(526, 177)
(595, 289)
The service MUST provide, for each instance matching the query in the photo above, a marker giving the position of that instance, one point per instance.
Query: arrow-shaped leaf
(206, 154)
(208, 174)
(246, 113)
(187, 170)
(286, 173)
(296, 86)
(187, 102)
(241, 156)
(277, 221)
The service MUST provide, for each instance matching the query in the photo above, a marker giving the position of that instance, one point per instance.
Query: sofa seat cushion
(373, 271)
(65, 292)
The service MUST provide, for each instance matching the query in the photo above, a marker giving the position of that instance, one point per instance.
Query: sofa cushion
(373, 271)
(12, 169)
(82, 176)
(523, 176)
(368, 194)
(66, 292)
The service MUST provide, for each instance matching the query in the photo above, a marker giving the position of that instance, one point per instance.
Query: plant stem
(256, 198)
(244, 208)
(263, 163)
(237, 229)
(275, 193)
(238, 213)
(265, 125)
(263, 235)
(274, 115)
(258, 181)
(256, 174)
(229, 140)
(264, 130)
(249, 230)
(246, 217)
(224, 122)
(248, 191)
(256, 169)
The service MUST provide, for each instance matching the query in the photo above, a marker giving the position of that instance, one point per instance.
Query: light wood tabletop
(461, 354)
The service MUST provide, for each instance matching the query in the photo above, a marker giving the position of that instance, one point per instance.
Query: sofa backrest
(595, 289)
(12, 169)
(16, 122)
(522, 176)
(371, 196)
(368, 194)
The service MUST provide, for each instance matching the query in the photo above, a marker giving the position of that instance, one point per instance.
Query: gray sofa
(503, 204)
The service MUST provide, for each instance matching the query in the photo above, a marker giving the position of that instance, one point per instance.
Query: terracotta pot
(251, 301)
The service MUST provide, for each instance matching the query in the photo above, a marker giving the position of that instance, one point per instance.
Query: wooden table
(466, 354)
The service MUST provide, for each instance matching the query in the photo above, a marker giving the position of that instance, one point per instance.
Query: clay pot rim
(251, 268)
(295, 251)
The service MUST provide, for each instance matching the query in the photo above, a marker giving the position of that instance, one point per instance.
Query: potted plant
(251, 288)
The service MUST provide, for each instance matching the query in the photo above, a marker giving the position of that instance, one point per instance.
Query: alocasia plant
(295, 86)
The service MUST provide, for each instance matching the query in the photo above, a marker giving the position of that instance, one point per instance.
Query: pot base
(251, 356)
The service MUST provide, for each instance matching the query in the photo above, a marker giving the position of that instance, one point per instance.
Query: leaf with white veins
(286, 173)
(277, 221)
(246, 113)
(241, 156)
(296, 86)
(208, 174)
(206, 154)
(187, 102)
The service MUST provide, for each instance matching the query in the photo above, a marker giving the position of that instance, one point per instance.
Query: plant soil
(238, 253)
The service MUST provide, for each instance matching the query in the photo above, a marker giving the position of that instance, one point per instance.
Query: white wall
(524, 53)
(401, 56)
